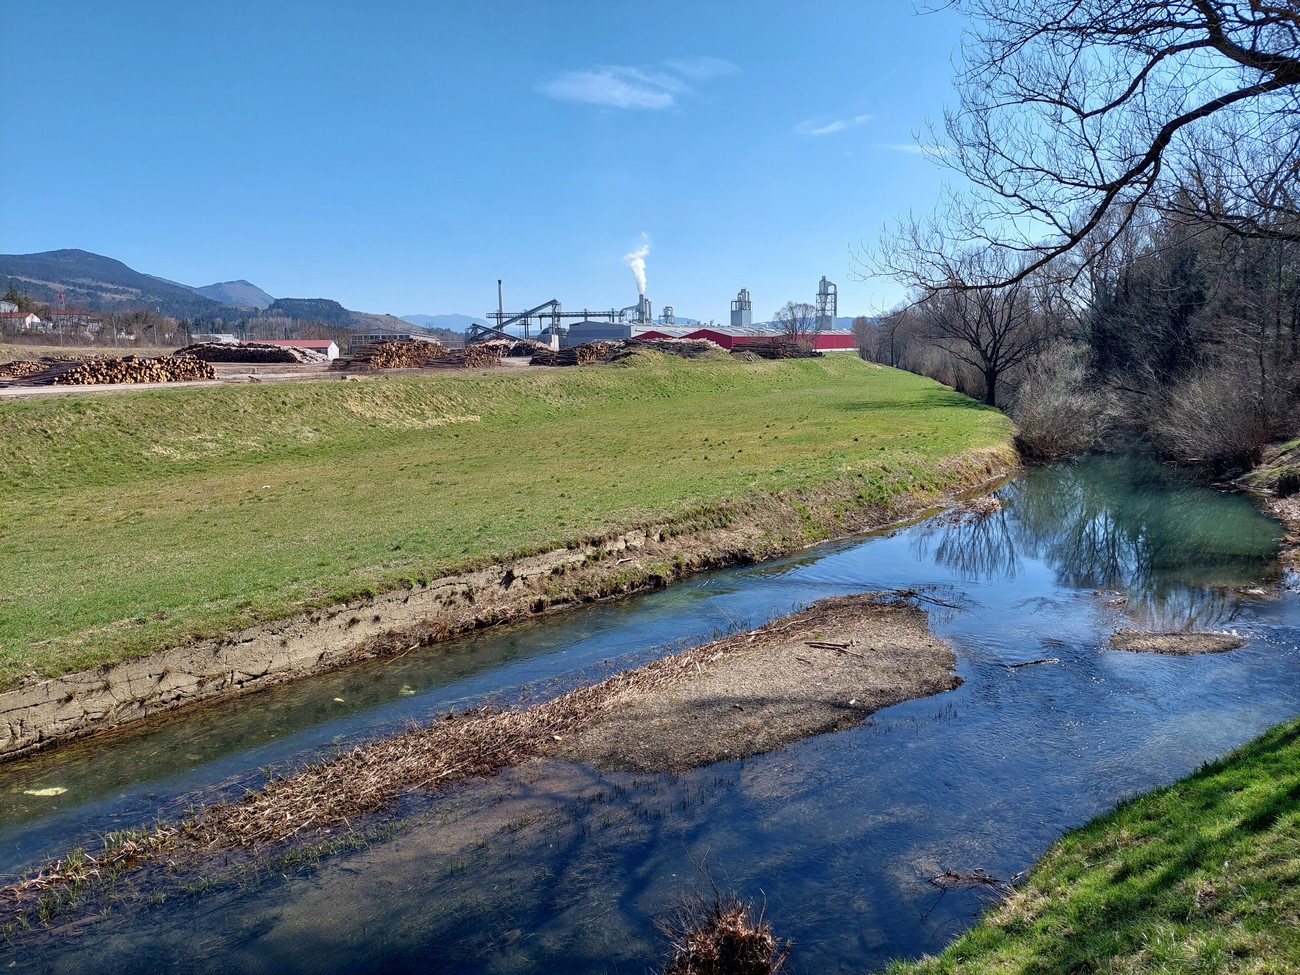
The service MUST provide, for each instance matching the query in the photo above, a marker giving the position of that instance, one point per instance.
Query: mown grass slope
(139, 519)
(1200, 877)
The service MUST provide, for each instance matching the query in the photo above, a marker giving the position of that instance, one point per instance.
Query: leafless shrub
(1056, 412)
(1215, 419)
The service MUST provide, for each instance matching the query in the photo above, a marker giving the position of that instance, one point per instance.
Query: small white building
(24, 321)
(326, 347)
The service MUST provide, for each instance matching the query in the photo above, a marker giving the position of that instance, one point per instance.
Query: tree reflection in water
(1178, 550)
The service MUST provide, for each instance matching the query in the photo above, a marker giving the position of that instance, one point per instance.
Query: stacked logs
(777, 350)
(515, 348)
(22, 368)
(396, 354)
(686, 348)
(579, 355)
(478, 356)
(590, 352)
(129, 369)
(255, 352)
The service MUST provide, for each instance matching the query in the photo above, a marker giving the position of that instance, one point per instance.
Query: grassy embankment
(142, 519)
(1200, 877)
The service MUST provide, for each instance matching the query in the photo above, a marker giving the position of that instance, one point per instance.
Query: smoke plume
(636, 261)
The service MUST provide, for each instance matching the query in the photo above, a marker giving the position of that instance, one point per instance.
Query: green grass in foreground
(133, 520)
(1199, 877)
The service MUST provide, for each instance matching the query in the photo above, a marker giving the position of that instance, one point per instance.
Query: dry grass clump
(722, 937)
(970, 510)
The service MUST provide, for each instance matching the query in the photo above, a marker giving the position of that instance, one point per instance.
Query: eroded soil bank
(42, 712)
(825, 668)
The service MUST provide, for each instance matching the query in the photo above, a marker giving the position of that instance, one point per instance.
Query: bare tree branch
(1075, 115)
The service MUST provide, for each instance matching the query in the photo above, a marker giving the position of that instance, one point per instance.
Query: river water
(557, 867)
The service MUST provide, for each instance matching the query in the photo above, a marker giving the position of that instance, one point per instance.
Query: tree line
(1121, 258)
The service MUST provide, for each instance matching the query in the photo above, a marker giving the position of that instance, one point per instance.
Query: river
(557, 867)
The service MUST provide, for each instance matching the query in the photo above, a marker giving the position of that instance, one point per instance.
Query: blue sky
(402, 156)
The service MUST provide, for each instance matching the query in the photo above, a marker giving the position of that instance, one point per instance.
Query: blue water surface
(557, 867)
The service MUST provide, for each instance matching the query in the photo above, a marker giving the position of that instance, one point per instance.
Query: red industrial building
(830, 340)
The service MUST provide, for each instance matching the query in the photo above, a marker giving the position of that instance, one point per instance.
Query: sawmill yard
(148, 519)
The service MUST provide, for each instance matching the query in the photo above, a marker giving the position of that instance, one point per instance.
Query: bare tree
(887, 338)
(991, 330)
(864, 333)
(1075, 115)
(798, 323)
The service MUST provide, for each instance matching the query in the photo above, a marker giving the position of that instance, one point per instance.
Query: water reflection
(558, 867)
(1175, 553)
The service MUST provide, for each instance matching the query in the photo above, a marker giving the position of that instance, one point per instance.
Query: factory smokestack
(636, 261)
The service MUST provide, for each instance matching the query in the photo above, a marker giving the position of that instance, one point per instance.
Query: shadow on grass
(928, 400)
(1200, 876)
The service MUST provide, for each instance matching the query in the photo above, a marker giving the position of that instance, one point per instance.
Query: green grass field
(141, 519)
(1201, 877)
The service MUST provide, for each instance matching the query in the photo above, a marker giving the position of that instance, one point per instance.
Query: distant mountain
(100, 283)
(316, 309)
(92, 281)
(242, 293)
(454, 323)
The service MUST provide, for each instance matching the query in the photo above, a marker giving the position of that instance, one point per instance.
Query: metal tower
(742, 310)
(827, 304)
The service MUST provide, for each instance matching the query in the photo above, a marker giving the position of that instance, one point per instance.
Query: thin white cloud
(605, 86)
(624, 86)
(818, 127)
(915, 149)
(700, 68)
(815, 128)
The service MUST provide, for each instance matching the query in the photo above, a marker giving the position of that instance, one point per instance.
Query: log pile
(579, 355)
(395, 354)
(22, 368)
(128, 369)
(515, 348)
(777, 350)
(477, 356)
(686, 348)
(254, 352)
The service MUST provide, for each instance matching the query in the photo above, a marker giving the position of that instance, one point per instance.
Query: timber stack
(478, 356)
(777, 350)
(253, 352)
(686, 348)
(394, 354)
(22, 368)
(126, 370)
(515, 348)
(579, 355)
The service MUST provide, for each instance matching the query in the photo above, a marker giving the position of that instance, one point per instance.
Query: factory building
(637, 321)
(830, 340)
